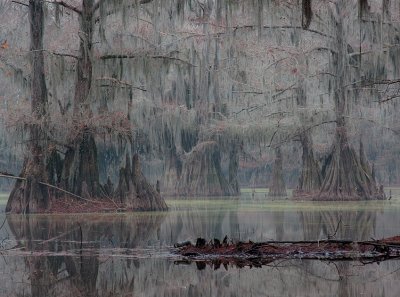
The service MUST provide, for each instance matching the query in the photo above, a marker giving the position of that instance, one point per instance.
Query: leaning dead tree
(30, 196)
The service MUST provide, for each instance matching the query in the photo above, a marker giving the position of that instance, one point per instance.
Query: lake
(131, 254)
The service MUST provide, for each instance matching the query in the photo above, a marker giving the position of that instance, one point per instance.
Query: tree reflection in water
(353, 225)
(76, 248)
(128, 254)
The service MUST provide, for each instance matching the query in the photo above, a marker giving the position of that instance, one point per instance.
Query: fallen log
(257, 254)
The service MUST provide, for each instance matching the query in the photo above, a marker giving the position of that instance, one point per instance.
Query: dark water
(130, 254)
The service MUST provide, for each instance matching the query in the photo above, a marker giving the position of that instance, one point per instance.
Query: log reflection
(354, 225)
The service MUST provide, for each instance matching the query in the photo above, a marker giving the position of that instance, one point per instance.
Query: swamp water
(130, 254)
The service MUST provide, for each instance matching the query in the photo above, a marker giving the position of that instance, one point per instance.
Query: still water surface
(130, 254)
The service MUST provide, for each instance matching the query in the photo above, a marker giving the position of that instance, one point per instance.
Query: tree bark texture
(347, 175)
(233, 168)
(29, 196)
(306, 14)
(80, 172)
(172, 172)
(310, 179)
(202, 173)
(84, 67)
(135, 191)
(172, 164)
(277, 186)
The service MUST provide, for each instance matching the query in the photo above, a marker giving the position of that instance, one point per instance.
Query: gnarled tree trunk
(347, 176)
(277, 186)
(29, 196)
(233, 168)
(172, 172)
(134, 191)
(202, 174)
(80, 173)
(172, 164)
(310, 179)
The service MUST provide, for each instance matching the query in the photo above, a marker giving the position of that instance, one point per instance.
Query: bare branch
(47, 185)
(298, 133)
(386, 82)
(99, 2)
(57, 54)
(134, 56)
(64, 55)
(120, 82)
(390, 98)
(248, 92)
(283, 91)
(20, 3)
(283, 27)
(66, 5)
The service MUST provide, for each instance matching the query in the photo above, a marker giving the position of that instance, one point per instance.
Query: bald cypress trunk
(134, 191)
(80, 173)
(306, 13)
(233, 168)
(277, 186)
(310, 177)
(347, 175)
(202, 173)
(30, 196)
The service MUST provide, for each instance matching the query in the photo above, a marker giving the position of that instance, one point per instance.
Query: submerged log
(256, 254)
